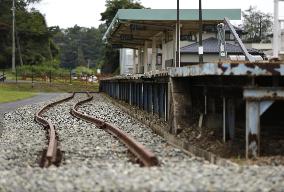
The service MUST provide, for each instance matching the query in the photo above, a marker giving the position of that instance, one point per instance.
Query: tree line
(38, 44)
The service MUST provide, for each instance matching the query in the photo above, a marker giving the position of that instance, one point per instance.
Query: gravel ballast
(93, 160)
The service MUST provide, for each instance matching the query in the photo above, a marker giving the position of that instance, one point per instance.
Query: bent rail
(51, 154)
(146, 157)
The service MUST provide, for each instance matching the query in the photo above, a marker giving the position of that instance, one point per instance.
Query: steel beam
(243, 48)
(275, 93)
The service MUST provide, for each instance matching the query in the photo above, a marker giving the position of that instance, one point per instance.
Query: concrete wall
(180, 105)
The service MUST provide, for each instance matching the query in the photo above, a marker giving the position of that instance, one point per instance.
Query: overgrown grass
(53, 87)
(7, 95)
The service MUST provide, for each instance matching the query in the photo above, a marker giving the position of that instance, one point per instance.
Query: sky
(86, 13)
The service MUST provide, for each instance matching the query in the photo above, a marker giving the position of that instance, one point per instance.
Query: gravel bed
(95, 161)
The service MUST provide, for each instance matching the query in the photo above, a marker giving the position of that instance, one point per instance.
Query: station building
(237, 98)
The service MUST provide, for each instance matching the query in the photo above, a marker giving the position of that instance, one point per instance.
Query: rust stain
(271, 68)
(253, 150)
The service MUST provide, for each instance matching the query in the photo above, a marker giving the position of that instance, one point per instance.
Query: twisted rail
(146, 157)
(50, 157)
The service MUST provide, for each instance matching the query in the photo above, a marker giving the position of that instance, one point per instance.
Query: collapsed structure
(237, 98)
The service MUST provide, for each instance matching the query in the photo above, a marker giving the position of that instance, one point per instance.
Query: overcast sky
(86, 13)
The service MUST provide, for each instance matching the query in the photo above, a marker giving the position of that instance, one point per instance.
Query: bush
(81, 71)
(41, 70)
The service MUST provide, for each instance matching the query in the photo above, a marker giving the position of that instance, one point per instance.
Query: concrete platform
(245, 95)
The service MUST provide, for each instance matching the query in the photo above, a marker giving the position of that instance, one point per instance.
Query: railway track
(52, 154)
(144, 155)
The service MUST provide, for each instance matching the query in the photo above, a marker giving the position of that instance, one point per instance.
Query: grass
(47, 87)
(9, 96)
(12, 92)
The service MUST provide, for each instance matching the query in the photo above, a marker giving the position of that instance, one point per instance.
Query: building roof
(171, 14)
(210, 45)
(142, 24)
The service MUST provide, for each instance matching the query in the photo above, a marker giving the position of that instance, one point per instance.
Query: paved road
(7, 107)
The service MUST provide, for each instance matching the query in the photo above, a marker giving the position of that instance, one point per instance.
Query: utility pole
(178, 37)
(276, 29)
(13, 40)
(200, 49)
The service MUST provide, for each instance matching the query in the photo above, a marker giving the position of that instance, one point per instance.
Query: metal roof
(171, 14)
(210, 45)
(153, 21)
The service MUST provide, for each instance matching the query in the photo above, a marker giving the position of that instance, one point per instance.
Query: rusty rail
(50, 157)
(146, 157)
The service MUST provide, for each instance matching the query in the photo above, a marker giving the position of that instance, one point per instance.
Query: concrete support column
(130, 94)
(276, 29)
(145, 61)
(252, 128)
(139, 61)
(156, 98)
(134, 62)
(145, 96)
(154, 54)
(228, 119)
(164, 52)
(174, 47)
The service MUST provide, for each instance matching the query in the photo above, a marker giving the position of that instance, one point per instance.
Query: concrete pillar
(164, 52)
(174, 47)
(145, 96)
(145, 60)
(276, 29)
(139, 61)
(252, 128)
(154, 54)
(156, 98)
(228, 119)
(150, 98)
(134, 62)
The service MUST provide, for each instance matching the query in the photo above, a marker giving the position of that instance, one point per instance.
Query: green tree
(112, 6)
(33, 38)
(79, 45)
(257, 25)
(111, 56)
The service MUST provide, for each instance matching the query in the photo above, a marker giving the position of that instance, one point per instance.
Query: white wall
(126, 61)
(282, 42)
(207, 58)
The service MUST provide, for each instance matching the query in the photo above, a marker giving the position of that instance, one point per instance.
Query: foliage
(83, 71)
(33, 39)
(257, 24)
(79, 46)
(41, 70)
(112, 6)
(111, 56)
